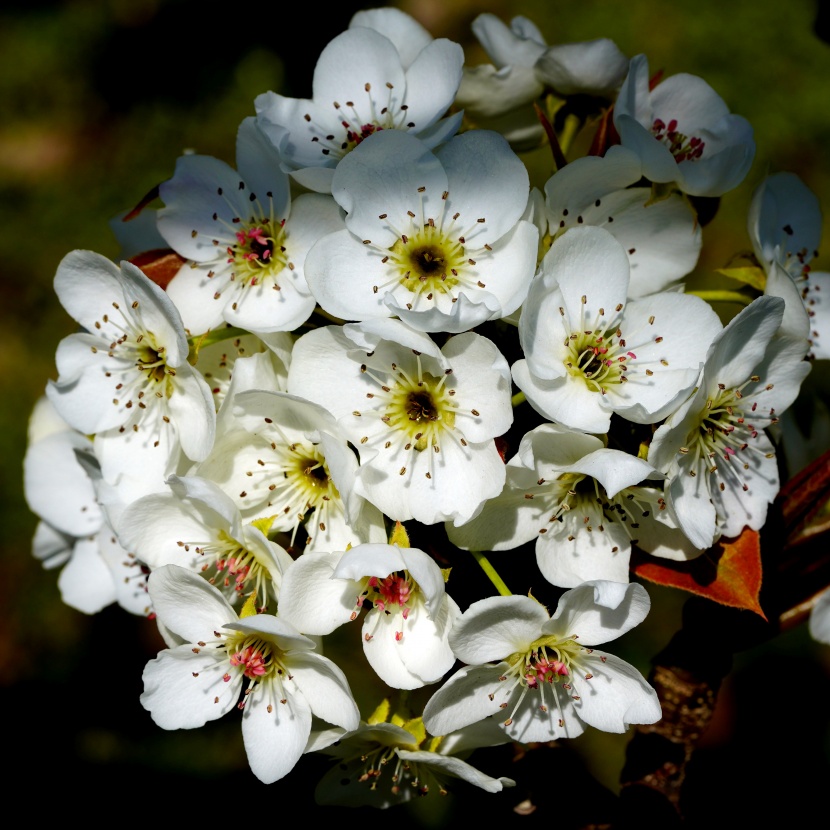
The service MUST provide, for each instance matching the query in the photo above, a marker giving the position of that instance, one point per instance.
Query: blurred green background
(97, 100)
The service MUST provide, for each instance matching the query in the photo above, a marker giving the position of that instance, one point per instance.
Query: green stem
(518, 398)
(723, 297)
(491, 572)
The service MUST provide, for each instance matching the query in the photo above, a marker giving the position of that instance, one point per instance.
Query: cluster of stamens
(390, 591)
(259, 250)
(682, 147)
(547, 663)
(297, 479)
(598, 353)
(421, 409)
(154, 381)
(359, 122)
(249, 250)
(434, 258)
(580, 503)
(727, 427)
(230, 565)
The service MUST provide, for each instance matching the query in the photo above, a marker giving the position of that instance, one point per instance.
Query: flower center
(253, 656)
(427, 262)
(151, 361)
(392, 590)
(420, 409)
(682, 147)
(599, 357)
(259, 250)
(546, 664)
(359, 120)
(232, 566)
(434, 258)
(548, 660)
(727, 425)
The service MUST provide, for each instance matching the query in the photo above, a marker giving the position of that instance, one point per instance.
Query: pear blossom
(423, 419)
(126, 378)
(785, 229)
(434, 238)
(662, 238)
(218, 362)
(541, 676)
(404, 634)
(195, 525)
(683, 132)
(590, 353)
(383, 764)
(719, 462)
(282, 681)
(509, 81)
(286, 459)
(74, 533)
(592, 67)
(244, 239)
(496, 95)
(385, 72)
(582, 502)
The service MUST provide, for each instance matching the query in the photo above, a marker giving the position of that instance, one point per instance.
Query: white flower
(383, 764)
(126, 379)
(662, 238)
(245, 240)
(404, 634)
(497, 95)
(436, 239)
(197, 526)
(263, 360)
(285, 458)
(592, 67)
(383, 73)
(222, 656)
(683, 132)
(720, 464)
(549, 681)
(578, 499)
(423, 419)
(59, 483)
(590, 353)
(510, 80)
(784, 225)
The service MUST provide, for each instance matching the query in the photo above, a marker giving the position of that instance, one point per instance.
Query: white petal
(325, 688)
(314, 602)
(615, 696)
(458, 769)
(464, 699)
(57, 488)
(600, 611)
(495, 627)
(187, 604)
(87, 583)
(275, 740)
(181, 687)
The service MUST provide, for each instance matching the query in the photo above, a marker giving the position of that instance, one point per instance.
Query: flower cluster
(381, 330)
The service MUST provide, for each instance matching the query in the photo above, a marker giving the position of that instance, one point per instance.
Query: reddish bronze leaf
(160, 265)
(728, 573)
(805, 502)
